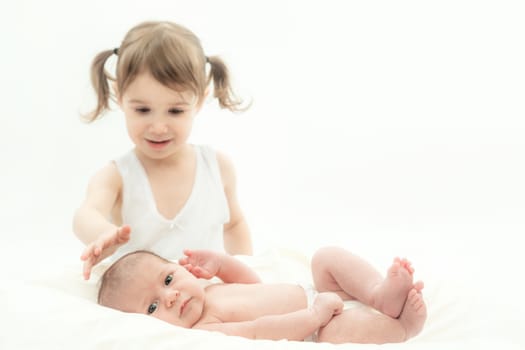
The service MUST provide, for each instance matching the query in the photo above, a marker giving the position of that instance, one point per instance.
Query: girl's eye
(168, 279)
(175, 111)
(152, 308)
(142, 110)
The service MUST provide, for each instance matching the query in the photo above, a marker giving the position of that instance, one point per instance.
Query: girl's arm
(237, 237)
(292, 326)
(92, 218)
(91, 222)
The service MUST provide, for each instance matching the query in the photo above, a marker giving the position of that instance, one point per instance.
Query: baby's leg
(363, 325)
(337, 270)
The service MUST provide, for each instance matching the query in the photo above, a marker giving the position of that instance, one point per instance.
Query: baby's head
(143, 282)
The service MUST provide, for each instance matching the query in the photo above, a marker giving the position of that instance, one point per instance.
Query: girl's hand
(103, 247)
(327, 305)
(201, 263)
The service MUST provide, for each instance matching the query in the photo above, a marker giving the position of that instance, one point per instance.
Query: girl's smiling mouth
(158, 144)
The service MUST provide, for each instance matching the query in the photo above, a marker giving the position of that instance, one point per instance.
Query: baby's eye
(152, 308)
(142, 110)
(168, 279)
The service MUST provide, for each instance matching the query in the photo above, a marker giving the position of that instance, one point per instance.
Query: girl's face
(159, 119)
(166, 291)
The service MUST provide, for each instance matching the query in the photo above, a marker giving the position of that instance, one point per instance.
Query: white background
(389, 127)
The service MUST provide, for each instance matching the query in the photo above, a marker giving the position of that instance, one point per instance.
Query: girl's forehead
(145, 86)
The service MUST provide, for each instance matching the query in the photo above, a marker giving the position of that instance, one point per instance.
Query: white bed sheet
(51, 307)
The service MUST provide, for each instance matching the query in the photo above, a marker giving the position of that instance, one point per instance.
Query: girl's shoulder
(107, 177)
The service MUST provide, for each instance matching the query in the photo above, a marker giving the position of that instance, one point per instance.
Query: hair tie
(115, 51)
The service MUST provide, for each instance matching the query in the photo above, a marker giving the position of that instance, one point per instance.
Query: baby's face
(164, 290)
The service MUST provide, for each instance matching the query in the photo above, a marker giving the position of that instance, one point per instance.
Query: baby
(142, 282)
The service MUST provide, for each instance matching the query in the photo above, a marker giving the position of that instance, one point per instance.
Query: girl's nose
(171, 296)
(158, 127)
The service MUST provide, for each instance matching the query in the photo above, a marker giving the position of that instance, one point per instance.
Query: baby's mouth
(183, 306)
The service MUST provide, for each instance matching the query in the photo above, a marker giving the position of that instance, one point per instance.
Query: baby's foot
(389, 296)
(405, 263)
(414, 314)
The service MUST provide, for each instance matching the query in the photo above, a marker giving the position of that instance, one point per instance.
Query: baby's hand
(201, 263)
(101, 248)
(326, 305)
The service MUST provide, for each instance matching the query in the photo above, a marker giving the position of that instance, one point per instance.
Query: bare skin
(364, 325)
(389, 296)
(250, 309)
(414, 313)
(352, 278)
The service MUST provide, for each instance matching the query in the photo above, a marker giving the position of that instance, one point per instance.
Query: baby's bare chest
(243, 302)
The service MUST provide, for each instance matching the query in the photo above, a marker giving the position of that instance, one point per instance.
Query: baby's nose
(171, 297)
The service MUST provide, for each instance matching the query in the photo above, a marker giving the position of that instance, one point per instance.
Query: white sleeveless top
(198, 225)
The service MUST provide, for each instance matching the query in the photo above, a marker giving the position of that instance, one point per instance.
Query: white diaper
(311, 294)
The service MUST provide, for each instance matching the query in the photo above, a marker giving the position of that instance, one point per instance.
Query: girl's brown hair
(173, 55)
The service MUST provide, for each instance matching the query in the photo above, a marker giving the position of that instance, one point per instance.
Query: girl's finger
(87, 270)
(87, 252)
(83, 256)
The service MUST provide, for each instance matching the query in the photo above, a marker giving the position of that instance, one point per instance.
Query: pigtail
(99, 80)
(222, 89)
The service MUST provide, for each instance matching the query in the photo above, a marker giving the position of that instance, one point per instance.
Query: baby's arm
(292, 326)
(208, 264)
